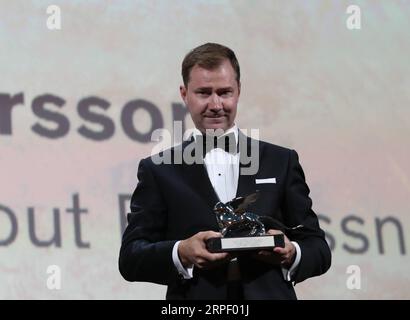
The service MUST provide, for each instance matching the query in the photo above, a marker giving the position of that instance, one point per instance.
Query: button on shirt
(223, 172)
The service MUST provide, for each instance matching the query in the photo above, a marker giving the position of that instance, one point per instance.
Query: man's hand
(192, 251)
(278, 256)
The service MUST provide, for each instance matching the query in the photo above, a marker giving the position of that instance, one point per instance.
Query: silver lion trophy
(242, 230)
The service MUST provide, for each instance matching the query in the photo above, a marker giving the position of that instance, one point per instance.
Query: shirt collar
(234, 129)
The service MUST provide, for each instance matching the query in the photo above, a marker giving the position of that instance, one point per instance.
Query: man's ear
(239, 89)
(183, 92)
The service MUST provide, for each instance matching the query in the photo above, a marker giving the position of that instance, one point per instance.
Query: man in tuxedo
(172, 206)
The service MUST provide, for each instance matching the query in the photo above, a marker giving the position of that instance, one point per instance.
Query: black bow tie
(226, 142)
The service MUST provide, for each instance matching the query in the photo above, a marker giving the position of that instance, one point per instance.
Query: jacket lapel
(197, 177)
(247, 147)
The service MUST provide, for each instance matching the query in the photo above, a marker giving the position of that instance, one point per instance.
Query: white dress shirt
(223, 172)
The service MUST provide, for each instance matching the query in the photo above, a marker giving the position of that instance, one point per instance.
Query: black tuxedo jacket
(175, 201)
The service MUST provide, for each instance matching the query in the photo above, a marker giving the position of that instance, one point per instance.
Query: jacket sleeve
(316, 254)
(145, 255)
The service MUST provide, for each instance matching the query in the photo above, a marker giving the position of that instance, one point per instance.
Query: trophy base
(215, 245)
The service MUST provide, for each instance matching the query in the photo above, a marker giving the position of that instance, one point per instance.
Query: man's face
(212, 96)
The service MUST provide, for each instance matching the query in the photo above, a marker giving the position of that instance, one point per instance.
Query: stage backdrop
(78, 105)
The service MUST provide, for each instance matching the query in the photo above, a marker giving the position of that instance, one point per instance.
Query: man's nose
(215, 103)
